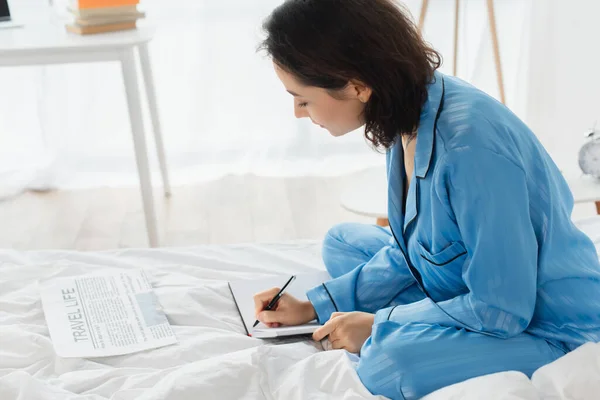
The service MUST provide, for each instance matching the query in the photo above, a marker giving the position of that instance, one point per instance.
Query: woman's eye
(302, 105)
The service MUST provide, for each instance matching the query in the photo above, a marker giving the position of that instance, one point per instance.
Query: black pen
(276, 298)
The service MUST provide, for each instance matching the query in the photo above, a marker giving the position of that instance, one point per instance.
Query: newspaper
(104, 315)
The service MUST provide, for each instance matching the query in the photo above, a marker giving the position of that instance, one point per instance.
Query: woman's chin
(335, 134)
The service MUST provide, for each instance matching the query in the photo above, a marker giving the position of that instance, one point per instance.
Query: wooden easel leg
(424, 6)
(456, 21)
(383, 222)
(492, 18)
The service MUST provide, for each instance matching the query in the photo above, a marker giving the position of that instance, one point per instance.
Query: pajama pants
(412, 360)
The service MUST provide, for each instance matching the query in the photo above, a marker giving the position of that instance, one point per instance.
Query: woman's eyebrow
(293, 94)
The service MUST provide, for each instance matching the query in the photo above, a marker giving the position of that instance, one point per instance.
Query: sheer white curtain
(222, 107)
(475, 52)
(563, 99)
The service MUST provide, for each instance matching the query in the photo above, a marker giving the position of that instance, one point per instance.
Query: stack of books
(100, 16)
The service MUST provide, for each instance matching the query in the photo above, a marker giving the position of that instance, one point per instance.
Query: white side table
(585, 189)
(368, 194)
(50, 44)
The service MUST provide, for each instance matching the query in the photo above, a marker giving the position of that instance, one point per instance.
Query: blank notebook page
(244, 290)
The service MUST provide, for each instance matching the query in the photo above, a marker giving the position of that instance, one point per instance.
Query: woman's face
(338, 115)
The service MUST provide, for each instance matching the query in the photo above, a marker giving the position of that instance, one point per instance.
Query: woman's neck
(409, 144)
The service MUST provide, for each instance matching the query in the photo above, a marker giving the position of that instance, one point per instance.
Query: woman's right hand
(287, 311)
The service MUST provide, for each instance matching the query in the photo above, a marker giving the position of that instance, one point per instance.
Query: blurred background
(242, 167)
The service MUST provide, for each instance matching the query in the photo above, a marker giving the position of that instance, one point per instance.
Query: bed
(214, 358)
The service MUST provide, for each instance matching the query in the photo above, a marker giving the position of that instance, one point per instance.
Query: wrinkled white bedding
(214, 358)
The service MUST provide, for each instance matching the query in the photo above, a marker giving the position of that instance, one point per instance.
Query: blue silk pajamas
(403, 360)
(482, 269)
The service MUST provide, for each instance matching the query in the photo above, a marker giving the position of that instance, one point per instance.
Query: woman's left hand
(347, 331)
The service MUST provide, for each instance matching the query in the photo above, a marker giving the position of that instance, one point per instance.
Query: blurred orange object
(82, 4)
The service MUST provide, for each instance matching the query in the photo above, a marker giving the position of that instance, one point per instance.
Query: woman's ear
(360, 91)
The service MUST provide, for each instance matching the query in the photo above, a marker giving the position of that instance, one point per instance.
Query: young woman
(482, 270)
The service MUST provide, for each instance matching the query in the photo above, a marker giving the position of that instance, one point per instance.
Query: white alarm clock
(589, 154)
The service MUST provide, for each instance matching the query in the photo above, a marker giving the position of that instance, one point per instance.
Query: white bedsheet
(215, 359)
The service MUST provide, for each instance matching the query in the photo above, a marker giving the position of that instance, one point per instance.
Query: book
(105, 12)
(88, 30)
(243, 292)
(104, 21)
(84, 4)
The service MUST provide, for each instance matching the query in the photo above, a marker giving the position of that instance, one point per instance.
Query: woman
(482, 270)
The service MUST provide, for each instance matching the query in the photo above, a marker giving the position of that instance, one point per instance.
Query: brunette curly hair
(327, 43)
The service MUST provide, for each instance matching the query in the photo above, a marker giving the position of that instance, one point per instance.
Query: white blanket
(214, 358)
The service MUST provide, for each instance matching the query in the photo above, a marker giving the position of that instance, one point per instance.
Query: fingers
(325, 330)
(262, 299)
(273, 319)
(328, 330)
(337, 344)
(269, 317)
(334, 343)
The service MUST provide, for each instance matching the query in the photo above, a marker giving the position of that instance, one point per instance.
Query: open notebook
(243, 292)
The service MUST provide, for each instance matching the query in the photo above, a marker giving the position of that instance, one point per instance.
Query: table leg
(383, 222)
(424, 6)
(154, 116)
(494, 31)
(134, 105)
(456, 30)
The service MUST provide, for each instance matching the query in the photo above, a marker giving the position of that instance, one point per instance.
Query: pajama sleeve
(487, 195)
(368, 287)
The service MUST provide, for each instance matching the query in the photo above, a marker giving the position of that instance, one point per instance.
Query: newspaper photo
(104, 315)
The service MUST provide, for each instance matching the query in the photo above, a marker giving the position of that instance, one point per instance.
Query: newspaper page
(104, 315)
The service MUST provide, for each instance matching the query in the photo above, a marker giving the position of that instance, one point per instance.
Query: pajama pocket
(452, 252)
